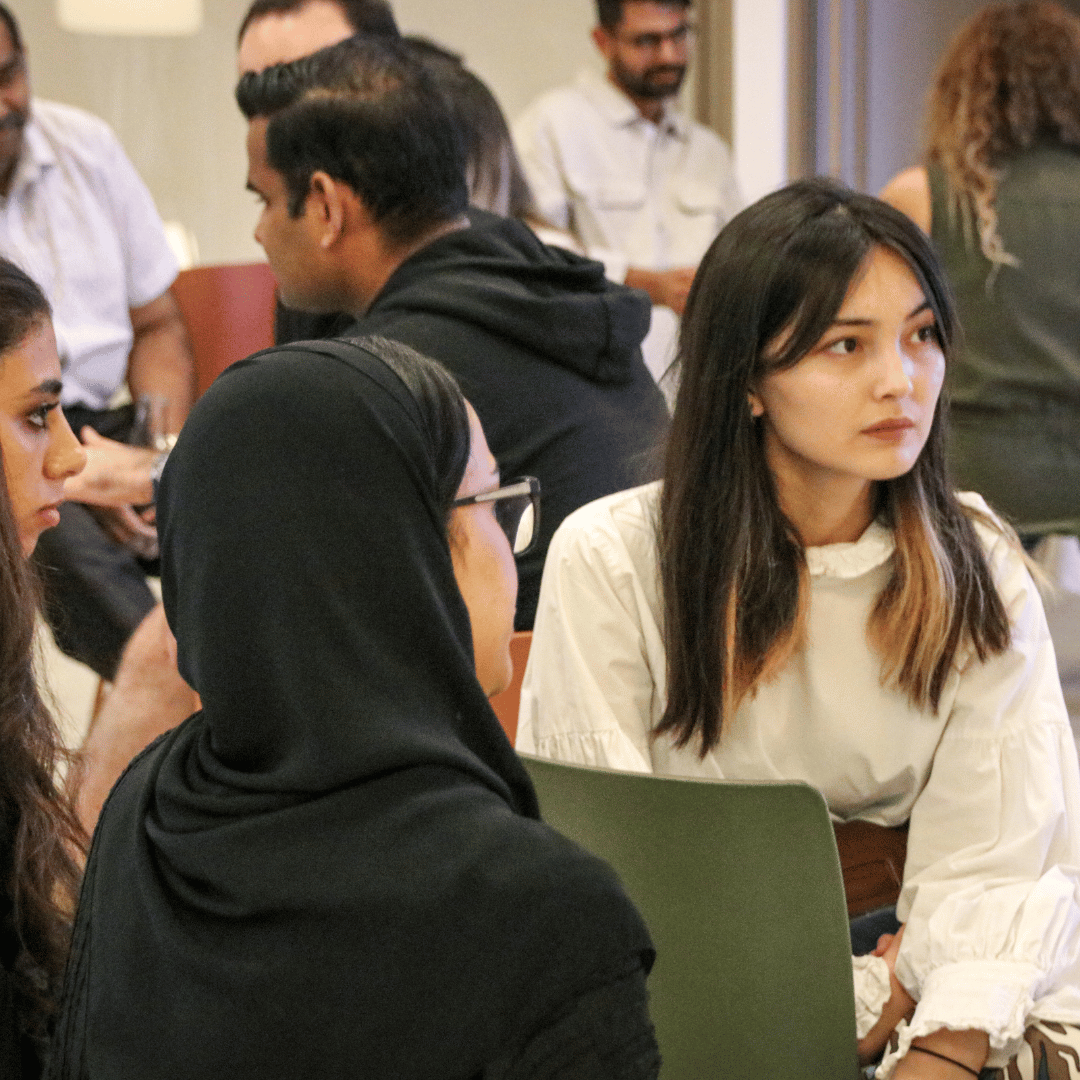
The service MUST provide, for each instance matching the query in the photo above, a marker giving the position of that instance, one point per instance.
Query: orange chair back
(229, 311)
(506, 703)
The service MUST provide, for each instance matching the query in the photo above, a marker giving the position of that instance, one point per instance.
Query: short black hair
(12, 27)
(364, 16)
(368, 113)
(609, 12)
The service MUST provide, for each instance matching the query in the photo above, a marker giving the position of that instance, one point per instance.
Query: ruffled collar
(852, 560)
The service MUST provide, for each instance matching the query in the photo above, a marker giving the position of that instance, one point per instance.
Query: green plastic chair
(740, 886)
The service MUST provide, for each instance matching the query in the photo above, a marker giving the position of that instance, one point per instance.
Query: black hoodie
(547, 350)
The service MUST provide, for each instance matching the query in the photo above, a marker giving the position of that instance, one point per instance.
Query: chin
(495, 682)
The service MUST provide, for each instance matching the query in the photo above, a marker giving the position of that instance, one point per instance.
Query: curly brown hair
(1010, 79)
(41, 840)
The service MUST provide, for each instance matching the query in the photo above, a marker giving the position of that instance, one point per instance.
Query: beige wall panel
(170, 100)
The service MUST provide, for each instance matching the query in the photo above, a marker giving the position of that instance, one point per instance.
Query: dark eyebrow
(869, 322)
(50, 387)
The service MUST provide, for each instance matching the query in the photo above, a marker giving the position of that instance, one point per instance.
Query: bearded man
(615, 162)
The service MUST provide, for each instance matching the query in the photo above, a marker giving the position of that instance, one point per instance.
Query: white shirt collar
(852, 560)
(620, 111)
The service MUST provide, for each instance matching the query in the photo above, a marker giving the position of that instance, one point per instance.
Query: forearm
(161, 363)
(966, 1048)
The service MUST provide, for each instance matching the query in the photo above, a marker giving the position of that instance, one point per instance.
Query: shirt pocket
(695, 197)
(609, 195)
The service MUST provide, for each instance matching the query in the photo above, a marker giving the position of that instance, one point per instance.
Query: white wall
(170, 100)
(760, 95)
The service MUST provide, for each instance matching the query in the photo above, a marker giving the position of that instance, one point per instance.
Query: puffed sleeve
(596, 666)
(991, 897)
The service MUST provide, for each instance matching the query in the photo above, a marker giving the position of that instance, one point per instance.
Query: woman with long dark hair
(40, 840)
(805, 597)
(336, 868)
(999, 194)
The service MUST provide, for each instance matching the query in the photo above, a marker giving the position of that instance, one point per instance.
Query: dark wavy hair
(368, 113)
(43, 836)
(732, 565)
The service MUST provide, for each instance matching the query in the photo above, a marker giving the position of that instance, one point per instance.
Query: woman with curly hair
(1000, 196)
(40, 839)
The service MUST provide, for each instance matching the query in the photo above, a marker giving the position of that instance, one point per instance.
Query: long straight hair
(43, 836)
(732, 566)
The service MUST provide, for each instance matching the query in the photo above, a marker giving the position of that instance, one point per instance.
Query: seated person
(806, 598)
(79, 219)
(336, 866)
(543, 345)
(41, 839)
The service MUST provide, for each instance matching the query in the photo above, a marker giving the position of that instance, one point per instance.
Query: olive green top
(1015, 387)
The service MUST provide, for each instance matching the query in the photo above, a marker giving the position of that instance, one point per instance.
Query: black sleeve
(605, 1034)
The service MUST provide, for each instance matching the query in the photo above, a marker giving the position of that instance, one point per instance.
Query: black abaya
(335, 869)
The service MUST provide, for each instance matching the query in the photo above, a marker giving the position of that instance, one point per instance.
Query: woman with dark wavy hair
(40, 839)
(1000, 196)
(804, 597)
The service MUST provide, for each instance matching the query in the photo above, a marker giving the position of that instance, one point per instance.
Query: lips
(890, 427)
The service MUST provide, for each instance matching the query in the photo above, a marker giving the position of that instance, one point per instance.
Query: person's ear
(327, 205)
(757, 406)
(602, 39)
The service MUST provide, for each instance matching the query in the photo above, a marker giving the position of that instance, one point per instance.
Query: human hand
(126, 526)
(900, 1005)
(669, 288)
(116, 475)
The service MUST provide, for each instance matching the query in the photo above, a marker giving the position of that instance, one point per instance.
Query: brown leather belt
(872, 860)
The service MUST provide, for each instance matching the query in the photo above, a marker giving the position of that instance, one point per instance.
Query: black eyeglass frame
(519, 488)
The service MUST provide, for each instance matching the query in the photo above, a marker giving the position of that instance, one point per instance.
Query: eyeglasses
(517, 510)
(681, 35)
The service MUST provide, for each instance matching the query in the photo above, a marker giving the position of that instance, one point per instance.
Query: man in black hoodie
(361, 174)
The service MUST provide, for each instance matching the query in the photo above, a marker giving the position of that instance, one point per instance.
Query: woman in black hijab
(335, 869)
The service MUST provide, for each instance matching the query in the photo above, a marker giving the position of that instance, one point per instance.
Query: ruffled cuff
(994, 996)
(872, 990)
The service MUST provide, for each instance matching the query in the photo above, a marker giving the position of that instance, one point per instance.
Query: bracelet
(942, 1057)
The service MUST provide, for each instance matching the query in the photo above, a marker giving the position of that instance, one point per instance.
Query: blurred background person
(615, 161)
(1000, 196)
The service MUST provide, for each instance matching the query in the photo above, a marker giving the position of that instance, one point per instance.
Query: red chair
(229, 311)
(506, 703)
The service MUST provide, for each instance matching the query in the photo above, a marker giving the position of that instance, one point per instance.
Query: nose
(672, 51)
(895, 373)
(65, 456)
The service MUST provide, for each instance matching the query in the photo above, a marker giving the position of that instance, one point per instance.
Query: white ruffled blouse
(991, 896)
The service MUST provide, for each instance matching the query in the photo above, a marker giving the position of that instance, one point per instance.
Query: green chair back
(740, 886)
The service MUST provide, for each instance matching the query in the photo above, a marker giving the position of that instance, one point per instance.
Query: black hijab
(335, 869)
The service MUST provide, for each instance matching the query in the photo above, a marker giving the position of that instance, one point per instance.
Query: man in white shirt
(76, 217)
(615, 162)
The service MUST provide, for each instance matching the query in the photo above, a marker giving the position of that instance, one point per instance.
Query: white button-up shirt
(80, 221)
(633, 192)
(991, 896)
(651, 195)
